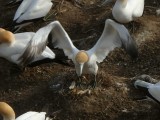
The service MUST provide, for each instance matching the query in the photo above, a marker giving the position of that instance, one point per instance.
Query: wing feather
(37, 44)
(61, 40)
(114, 35)
(32, 116)
(38, 9)
(22, 8)
(155, 92)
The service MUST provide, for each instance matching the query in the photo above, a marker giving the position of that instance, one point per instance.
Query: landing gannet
(12, 47)
(30, 10)
(125, 11)
(114, 35)
(152, 90)
(8, 113)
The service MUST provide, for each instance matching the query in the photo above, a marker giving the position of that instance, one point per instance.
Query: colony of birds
(28, 47)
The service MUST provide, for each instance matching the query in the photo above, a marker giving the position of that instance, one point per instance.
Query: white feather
(153, 89)
(32, 116)
(15, 50)
(125, 11)
(142, 84)
(32, 9)
(60, 39)
(114, 35)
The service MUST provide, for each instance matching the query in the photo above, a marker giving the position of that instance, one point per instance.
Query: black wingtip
(133, 51)
(131, 48)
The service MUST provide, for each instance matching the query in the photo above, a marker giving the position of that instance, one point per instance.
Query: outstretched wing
(37, 44)
(60, 39)
(114, 35)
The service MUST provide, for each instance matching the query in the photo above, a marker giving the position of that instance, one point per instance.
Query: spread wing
(60, 39)
(37, 44)
(114, 35)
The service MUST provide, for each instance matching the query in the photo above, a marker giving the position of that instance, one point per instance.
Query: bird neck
(6, 111)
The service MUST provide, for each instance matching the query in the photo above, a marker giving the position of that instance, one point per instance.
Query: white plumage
(125, 11)
(153, 90)
(114, 35)
(31, 115)
(32, 9)
(8, 114)
(15, 49)
(28, 11)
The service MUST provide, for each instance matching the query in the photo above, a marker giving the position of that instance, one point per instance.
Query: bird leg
(93, 83)
(79, 82)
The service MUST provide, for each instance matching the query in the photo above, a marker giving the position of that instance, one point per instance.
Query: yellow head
(81, 57)
(6, 36)
(6, 111)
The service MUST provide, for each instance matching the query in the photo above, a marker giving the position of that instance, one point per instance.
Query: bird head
(6, 111)
(6, 36)
(81, 58)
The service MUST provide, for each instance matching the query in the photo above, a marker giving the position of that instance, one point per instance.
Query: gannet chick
(12, 47)
(30, 10)
(114, 35)
(8, 113)
(152, 90)
(125, 11)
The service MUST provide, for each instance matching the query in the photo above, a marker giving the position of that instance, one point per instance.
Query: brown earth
(114, 97)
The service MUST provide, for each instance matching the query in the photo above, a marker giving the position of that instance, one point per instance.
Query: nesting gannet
(31, 10)
(8, 113)
(125, 11)
(114, 35)
(12, 47)
(152, 90)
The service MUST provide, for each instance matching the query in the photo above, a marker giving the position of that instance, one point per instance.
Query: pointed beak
(81, 68)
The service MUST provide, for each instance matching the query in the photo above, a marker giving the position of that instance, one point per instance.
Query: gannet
(114, 35)
(152, 90)
(30, 10)
(12, 47)
(125, 11)
(8, 113)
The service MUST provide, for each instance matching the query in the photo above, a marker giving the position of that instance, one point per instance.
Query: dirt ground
(115, 96)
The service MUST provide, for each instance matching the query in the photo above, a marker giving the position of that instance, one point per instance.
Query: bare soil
(114, 97)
